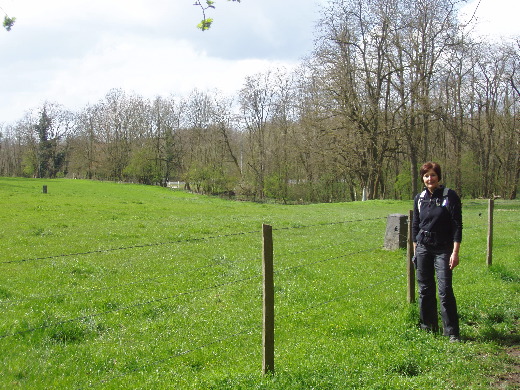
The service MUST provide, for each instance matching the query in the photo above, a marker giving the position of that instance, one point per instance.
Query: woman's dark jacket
(439, 220)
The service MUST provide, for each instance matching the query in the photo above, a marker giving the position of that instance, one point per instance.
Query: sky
(74, 52)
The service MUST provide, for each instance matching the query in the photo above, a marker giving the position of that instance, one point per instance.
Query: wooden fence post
(268, 328)
(410, 269)
(490, 233)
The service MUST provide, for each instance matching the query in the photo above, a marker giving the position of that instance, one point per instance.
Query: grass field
(118, 286)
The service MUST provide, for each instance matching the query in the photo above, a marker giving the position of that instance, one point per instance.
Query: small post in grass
(268, 329)
(44, 189)
(410, 269)
(490, 233)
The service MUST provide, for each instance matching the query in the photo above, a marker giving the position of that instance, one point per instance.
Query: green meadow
(119, 286)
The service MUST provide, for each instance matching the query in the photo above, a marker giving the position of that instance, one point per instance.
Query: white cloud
(495, 18)
(73, 53)
(145, 67)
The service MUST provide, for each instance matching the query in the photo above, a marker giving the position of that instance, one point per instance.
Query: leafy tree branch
(8, 21)
(206, 22)
(204, 25)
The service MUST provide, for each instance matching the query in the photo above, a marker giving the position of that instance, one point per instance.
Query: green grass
(106, 285)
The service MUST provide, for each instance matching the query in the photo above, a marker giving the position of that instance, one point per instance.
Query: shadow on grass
(499, 327)
(502, 272)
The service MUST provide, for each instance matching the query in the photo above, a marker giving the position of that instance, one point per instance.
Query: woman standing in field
(437, 233)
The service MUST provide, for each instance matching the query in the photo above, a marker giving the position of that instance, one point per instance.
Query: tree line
(389, 85)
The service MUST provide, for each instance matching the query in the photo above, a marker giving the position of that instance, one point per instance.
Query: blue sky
(74, 52)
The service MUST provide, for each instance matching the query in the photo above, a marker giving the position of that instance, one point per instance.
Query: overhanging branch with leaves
(206, 22)
(8, 21)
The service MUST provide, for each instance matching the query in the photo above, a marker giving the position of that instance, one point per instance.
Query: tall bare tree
(357, 76)
(257, 99)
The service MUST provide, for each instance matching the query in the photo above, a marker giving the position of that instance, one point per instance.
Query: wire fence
(321, 258)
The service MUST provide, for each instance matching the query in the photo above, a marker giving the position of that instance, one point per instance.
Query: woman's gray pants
(431, 261)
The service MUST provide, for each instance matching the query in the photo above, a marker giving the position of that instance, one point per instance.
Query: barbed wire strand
(145, 280)
(151, 279)
(138, 246)
(140, 304)
(323, 260)
(316, 248)
(156, 279)
(328, 223)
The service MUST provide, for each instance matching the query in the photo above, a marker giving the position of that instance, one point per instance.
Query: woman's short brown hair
(431, 165)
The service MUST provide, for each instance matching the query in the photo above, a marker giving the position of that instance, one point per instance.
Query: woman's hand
(454, 258)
